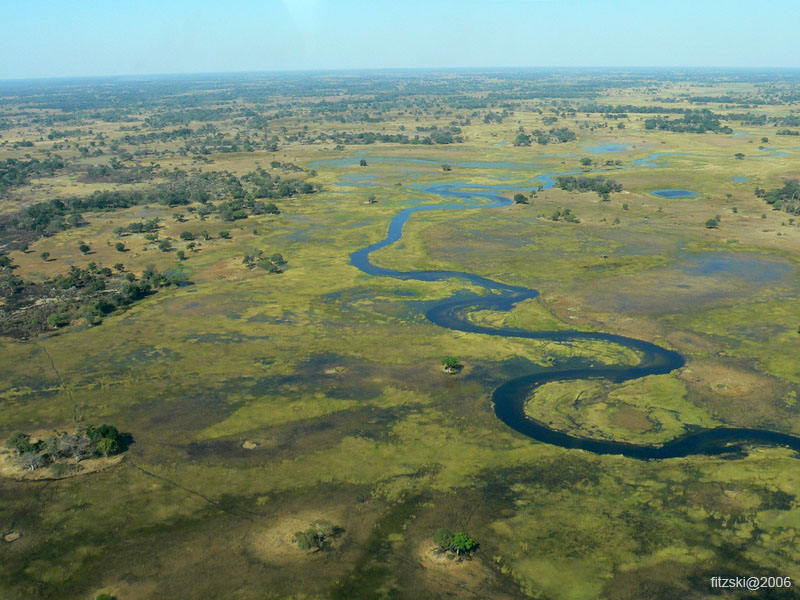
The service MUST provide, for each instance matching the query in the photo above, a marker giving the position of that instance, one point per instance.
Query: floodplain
(263, 396)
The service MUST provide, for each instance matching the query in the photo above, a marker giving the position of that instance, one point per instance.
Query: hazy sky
(50, 38)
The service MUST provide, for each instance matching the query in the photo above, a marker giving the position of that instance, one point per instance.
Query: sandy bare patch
(689, 342)
(275, 544)
(12, 536)
(451, 573)
(431, 559)
(250, 445)
(140, 590)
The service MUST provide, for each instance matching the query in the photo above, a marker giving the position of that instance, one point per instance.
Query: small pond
(674, 193)
(608, 147)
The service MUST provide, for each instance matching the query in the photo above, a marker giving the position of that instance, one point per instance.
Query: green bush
(317, 537)
(459, 544)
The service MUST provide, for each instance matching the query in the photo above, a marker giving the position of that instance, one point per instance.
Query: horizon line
(45, 78)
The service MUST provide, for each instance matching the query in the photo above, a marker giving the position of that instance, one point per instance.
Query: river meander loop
(509, 398)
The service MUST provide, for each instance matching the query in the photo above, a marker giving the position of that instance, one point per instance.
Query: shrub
(317, 537)
(458, 543)
(451, 364)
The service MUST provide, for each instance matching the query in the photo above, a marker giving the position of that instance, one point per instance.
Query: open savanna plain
(258, 402)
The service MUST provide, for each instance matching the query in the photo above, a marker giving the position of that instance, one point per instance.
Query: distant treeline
(439, 136)
(185, 116)
(747, 118)
(693, 122)
(157, 136)
(788, 121)
(117, 173)
(728, 100)
(630, 108)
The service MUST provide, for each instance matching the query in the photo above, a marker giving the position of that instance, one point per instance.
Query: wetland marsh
(624, 424)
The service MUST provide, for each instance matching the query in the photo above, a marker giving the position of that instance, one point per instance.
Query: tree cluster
(86, 442)
(240, 198)
(272, 264)
(554, 135)
(598, 184)
(786, 198)
(564, 214)
(14, 172)
(93, 293)
(699, 121)
(318, 536)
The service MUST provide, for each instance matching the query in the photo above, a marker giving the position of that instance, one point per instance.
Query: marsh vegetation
(274, 388)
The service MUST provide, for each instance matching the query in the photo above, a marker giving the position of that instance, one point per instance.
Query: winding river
(509, 398)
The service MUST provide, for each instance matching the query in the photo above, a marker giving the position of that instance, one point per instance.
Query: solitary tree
(523, 139)
(120, 247)
(84, 248)
(451, 364)
(459, 544)
(45, 256)
(362, 162)
(317, 537)
(520, 199)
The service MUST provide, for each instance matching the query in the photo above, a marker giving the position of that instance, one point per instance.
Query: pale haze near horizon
(57, 38)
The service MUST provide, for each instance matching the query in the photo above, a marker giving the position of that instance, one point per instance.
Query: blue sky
(50, 38)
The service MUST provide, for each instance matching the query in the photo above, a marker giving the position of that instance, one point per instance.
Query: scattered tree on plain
(451, 364)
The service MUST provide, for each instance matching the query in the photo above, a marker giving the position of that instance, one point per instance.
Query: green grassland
(334, 377)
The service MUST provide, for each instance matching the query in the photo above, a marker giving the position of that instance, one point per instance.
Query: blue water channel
(509, 398)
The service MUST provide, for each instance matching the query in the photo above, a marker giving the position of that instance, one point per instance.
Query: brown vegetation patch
(631, 418)
(10, 469)
(691, 343)
(737, 394)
